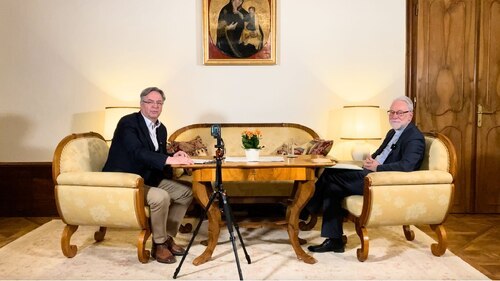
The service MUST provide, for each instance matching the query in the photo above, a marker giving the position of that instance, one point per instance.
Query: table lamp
(360, 123)
(111, 117)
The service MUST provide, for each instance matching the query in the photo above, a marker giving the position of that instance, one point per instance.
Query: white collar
(150, 123)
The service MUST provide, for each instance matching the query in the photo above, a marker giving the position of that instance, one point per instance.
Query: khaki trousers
(168, 204)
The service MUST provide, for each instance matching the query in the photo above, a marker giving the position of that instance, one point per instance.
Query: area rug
(37, 255)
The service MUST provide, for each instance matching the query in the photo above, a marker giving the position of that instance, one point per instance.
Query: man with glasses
(402, 150)
(139, 146)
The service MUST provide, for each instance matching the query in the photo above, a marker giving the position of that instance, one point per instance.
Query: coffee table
(301, 170)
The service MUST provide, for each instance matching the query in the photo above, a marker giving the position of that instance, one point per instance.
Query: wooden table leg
(201, 194)
(304, 192)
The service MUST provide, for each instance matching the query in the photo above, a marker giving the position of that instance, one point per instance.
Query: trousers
(168, 203)
(330, 189)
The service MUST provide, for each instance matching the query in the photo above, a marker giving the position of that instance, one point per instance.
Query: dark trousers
(331, 188)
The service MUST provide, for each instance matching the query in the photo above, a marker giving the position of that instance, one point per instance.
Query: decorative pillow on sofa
(194, 147)
(320, 147)
(315, 147)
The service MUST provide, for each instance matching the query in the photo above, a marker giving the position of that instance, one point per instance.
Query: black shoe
(329, 245)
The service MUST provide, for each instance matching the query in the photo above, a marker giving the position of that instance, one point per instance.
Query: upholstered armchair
(86, 196)
(408, 198)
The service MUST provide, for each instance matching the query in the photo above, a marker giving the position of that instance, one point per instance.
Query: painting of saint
(240, 31)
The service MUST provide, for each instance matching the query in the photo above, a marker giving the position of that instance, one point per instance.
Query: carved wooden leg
(313, 219)
(362, 252)
(67, 249)
(439, 248)
(214, 217)
(409, 234)
(142, 253)
(99, 235)
(304, 192)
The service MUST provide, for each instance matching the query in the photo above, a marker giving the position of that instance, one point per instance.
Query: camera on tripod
(216, 133)
(215, 130)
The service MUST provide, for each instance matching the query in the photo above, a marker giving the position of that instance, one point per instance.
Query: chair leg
(409, 234)
(439, 248)
(68, 249)
(99, 235)
(362, 252)
(142, 253)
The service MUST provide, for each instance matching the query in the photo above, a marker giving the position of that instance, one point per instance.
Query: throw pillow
(314, 147)
(297, 149)
(320, 147)
(194, 147)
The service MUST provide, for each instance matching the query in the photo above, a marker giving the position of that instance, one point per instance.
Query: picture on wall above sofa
(238, 32)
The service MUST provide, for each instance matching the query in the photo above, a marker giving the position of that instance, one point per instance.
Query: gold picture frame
(239, 32)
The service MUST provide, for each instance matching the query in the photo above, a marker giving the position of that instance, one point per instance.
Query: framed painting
(239, 32)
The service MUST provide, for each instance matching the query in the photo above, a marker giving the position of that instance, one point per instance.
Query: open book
(349, 165)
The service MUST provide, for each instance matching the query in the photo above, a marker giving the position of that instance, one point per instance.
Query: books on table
(261, 159)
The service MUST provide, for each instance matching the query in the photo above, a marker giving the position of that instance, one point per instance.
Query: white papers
(261, 159)
(348, 166)
(202, 161)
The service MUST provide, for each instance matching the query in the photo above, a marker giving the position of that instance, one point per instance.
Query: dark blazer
(133, 151)
(408, 152)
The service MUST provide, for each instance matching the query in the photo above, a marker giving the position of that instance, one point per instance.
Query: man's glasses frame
(399, 113)
(151, 102)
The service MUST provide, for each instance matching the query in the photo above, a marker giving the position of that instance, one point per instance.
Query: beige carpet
(37, 255)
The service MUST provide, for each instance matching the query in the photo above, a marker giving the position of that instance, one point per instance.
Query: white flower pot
(252, 154)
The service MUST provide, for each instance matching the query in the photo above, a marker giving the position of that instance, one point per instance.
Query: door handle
(480, 113)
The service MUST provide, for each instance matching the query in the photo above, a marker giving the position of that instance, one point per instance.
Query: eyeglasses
(151, 102)
(399, 113)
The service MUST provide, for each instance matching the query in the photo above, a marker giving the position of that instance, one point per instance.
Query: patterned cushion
(314, 147)
(194, 147)
(320, 147)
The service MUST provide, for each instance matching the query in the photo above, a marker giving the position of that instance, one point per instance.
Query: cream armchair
(408, 198)
(86, 196)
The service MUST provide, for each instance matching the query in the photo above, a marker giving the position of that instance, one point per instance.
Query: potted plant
(251, 143)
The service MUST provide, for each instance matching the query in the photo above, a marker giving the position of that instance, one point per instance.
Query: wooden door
(453, 68)
(488, 110)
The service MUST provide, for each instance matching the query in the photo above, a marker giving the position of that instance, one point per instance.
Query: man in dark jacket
(402, 150)
(139, 146)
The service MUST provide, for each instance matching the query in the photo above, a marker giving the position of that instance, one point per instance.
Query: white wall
(63, 61)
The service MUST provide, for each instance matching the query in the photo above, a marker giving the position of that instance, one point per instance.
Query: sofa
(196, 140)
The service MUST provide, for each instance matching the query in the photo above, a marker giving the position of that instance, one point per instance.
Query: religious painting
(239, 32)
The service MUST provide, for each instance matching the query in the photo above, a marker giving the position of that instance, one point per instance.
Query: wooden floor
(474, 238)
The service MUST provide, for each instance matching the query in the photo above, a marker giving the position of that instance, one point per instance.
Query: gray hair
(406, 100)
(146, 92)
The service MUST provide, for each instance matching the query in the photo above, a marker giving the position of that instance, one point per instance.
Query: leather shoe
(329, 245)
(174, 248)
(161, 253)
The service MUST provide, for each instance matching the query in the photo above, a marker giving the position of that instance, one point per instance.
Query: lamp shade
(112, 115)
(360, 122)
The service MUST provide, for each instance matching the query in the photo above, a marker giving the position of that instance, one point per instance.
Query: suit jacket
(408, 152)
(133, 151)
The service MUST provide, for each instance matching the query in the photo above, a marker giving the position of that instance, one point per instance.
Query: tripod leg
(202, 217)
(237, 227)
(229, 223)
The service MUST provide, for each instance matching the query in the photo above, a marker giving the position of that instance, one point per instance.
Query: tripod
(224, 207)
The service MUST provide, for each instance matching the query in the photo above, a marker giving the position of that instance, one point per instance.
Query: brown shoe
(162, 254)
(174, 248)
